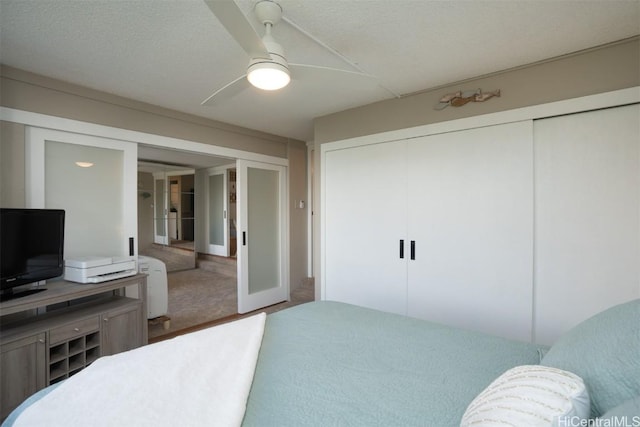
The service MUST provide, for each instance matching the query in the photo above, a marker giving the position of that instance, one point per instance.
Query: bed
(332, 364)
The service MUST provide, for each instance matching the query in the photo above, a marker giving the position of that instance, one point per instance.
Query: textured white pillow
(530, 395)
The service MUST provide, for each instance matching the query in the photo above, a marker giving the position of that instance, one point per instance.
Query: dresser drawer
(75, 329)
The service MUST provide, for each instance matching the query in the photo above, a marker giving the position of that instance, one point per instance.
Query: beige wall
(298, 216)
(30, 92)
(605, 69)
(12, 184)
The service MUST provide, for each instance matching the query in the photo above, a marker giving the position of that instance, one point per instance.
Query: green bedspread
(330, 364)
(334, 364)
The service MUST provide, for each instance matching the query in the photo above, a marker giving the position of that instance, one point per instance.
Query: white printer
(95, 269)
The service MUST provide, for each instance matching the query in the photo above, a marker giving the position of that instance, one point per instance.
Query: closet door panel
(471, 216)
(365, 192)
(587, 216)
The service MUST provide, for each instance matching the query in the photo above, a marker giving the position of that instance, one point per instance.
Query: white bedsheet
(202, 378)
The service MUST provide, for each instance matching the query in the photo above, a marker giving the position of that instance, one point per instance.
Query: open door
(263, 277)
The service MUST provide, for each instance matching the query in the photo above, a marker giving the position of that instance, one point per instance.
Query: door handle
(401, 249)
(413, 249)
(244, 238)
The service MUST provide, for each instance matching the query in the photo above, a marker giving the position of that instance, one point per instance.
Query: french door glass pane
(216, 209)
(76, 178)
(159, 211)
(263, 222)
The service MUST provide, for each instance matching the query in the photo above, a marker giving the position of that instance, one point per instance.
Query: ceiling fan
(268, 66)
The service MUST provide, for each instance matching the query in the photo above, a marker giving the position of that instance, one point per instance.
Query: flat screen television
(31, 249)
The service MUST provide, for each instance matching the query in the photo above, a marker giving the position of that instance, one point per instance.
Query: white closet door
(365, 191)
(587, 216)
(471, 217)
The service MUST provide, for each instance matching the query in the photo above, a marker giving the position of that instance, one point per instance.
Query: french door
(263, 277)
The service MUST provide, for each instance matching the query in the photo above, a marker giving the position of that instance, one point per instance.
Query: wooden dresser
(51, 335)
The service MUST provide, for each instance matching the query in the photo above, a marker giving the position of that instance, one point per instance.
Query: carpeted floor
(208, 293)
(176, 258)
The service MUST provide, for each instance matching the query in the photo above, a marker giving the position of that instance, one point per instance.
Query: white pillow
(530, 395)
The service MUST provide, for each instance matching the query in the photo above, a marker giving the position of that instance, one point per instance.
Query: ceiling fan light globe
(268, 75)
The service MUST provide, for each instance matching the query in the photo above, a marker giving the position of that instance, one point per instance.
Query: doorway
(172, 221)
(170, 216)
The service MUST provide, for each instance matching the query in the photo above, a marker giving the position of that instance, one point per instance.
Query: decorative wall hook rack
(460, 98)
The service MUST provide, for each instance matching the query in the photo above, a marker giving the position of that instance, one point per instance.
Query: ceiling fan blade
(232, 18)
(333, 76)
(228, 91)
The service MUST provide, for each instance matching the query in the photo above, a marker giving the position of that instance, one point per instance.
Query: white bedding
(202, 378)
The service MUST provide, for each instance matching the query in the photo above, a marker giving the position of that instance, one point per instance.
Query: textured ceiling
(175, 53)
